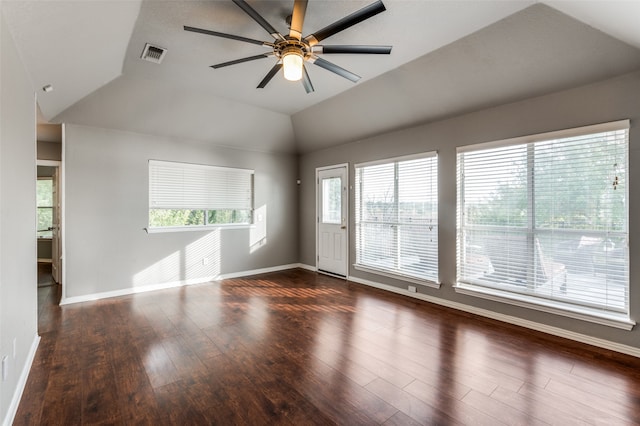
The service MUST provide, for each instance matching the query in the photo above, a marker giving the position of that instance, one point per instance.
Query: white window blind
(546, 218)
(397, 216)
(178, 191)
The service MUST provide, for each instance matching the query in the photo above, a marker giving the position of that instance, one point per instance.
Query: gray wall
(106, 208)
(18, 281)
(610, 100)
(49, 150)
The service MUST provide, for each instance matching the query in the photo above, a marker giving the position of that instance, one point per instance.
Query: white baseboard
(258, 271)
(181, 283)
(578, 337)
(307, 267)
(134, 290)
(22, 382)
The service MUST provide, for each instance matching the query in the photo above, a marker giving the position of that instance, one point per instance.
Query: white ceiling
(448, 57)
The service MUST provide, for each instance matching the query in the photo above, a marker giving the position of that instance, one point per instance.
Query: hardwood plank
(576, 410)
(176, 407)
(503, 412)
(616, 409)
(401, 419)
(410, 405)
(280, 388)
(540, 410)
(298, 348)
(439, 391)
(100, 396)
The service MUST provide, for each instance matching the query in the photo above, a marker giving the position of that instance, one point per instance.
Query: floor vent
(153, 54)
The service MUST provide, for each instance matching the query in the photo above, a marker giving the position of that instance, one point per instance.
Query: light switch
(5, 367)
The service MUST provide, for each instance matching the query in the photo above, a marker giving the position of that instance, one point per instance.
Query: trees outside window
(548, 218)
(44, 202)
(192, 195)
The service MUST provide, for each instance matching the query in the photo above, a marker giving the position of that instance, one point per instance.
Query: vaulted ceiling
(449, 57)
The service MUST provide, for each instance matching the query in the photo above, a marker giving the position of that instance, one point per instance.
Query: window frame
(203, 169)
(397, 273)
(573, 310)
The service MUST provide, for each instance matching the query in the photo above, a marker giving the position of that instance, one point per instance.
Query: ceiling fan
(294, 50)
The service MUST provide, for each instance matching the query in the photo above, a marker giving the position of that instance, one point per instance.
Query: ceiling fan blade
(349, 48)
(272, 72)
(259, 19)
(346, 22)
(306, 81)
(297, 19)
(225, 35)
(335, 69)
(239, 61)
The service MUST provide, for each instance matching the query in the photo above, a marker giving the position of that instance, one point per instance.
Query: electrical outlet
(5, 367)
(412, 289)
(205, 261)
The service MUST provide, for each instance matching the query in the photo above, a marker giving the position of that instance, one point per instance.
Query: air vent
(153, 54)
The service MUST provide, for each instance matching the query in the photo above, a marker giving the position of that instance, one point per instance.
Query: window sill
(609, 319)
(195, 228)
(400, 277)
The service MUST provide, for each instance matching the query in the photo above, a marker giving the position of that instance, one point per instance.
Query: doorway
(332, 220)
(48, 222)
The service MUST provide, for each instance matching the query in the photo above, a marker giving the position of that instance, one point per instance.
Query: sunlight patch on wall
(199, 260)
(258, 234)
(202, 257)
(165, 270)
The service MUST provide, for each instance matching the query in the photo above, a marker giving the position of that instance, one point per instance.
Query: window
(190, 195)
(332, 200)
(397, 217)
(44, 200)
(544, 220)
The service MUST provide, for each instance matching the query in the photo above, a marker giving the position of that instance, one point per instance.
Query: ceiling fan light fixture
(293, 50)
(292, 62)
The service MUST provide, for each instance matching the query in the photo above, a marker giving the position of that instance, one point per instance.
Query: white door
(332, 202)
(55, 232)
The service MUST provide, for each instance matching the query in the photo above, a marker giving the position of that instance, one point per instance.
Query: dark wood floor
(299, 348)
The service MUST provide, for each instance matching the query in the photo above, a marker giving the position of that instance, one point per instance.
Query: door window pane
(332, 200)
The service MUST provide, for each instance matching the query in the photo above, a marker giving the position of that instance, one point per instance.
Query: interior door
(55, 232)
(332, 244)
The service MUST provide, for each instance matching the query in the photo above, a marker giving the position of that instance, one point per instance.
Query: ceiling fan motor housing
(292, 46)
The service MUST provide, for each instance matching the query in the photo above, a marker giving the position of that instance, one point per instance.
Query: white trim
(307, 267)
(50, 163)
(258, 271)
(22, 382)
(400, 277)
(335, 166)
(558, 134)
(331, 274)
(555, 331)
(63, 213)
(598, 317)
(427, 154)
(172, 284)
